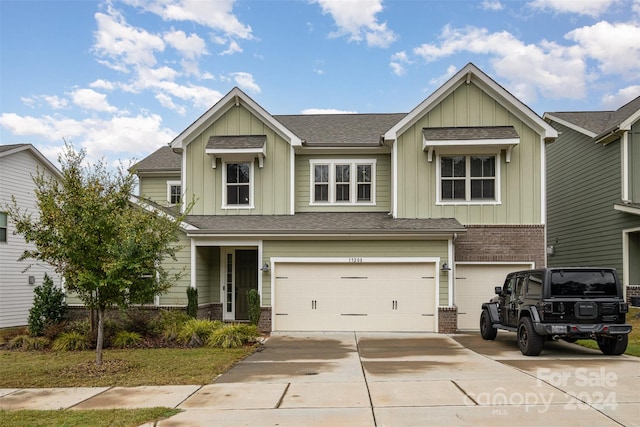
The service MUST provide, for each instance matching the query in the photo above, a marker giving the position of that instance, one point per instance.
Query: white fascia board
(626, 125)
(627, 209)
(570, 125)
(360, 260)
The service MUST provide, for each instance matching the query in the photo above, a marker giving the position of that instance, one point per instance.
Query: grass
(126, 367)
(633, 349)
(97, 418)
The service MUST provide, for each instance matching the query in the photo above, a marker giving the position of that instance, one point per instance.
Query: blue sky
(122, 78)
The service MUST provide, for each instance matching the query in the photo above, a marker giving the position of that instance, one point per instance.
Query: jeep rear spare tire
(529, 341)
(487, 331)
(613, 346)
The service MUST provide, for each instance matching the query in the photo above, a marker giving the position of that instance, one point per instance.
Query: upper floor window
(238, 185)
(3, 227)
(342, 181)
(470, 178)
(174, 192)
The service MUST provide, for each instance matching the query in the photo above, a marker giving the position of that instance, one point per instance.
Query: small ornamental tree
(48, 307)
(108, 249)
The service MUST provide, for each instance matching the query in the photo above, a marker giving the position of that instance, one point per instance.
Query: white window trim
(169, 185)
(353, 184)
(498, 199)
(251, 186)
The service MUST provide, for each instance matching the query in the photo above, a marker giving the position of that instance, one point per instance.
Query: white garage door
(355, 297)
(474, 285)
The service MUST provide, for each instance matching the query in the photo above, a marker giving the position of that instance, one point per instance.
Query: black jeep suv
(568, 303)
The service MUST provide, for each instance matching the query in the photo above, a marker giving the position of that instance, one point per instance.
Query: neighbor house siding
(16, 294)
(520, 180)
(355, 248)
(271, 183)
(583, 186)
(382, 182)
(155, 188)
(634, 162)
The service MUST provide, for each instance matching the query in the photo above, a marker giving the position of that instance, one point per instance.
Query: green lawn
(67, 418)
(633, 349)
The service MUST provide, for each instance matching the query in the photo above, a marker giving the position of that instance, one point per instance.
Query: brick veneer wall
(509, 243)
(633, 291)
(264, 324)
(447, 320)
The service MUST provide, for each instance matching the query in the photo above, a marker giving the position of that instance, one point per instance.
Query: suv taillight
(623, 307)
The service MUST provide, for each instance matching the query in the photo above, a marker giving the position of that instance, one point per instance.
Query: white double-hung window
(468, 178)
(342, 182)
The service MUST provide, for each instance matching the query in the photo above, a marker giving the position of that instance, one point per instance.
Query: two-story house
(358, 222)
(594, 191)
(19, 163)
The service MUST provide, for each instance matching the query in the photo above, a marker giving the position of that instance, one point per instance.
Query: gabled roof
(471, 73)
(322, 223)
(340, 130)
(7, 150)
(234, 98)
(161, 160)
(602, 126)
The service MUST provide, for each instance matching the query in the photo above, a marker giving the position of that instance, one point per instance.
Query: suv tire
(529, 341)
(487, 331)
(613, 347)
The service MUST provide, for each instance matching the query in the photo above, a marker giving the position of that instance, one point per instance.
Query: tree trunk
(100, 340)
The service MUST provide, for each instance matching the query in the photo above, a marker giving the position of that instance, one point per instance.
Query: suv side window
(509, 285)
(534, 285)
(518, 288)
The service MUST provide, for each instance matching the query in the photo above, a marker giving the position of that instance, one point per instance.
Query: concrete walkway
(369, 379)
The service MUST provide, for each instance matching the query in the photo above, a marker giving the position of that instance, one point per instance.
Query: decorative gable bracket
(237, 148)
(469, 139)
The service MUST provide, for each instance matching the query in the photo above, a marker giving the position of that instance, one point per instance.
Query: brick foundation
(264, 324)
(507, 243)
(447, 320)
(633, 291)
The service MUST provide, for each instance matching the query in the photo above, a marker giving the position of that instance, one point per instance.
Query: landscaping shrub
(232, 336)
(192, 302)
(170, 322)
(126, 339)
(48, 307)
(195, 332)
(27, 343)
(253, 298)
(139, 321)
(71, 341)
(78, 326)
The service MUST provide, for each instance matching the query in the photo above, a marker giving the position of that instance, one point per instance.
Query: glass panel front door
(241, 275)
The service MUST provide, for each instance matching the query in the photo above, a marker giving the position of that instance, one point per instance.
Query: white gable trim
(35, 153)
(234, 98)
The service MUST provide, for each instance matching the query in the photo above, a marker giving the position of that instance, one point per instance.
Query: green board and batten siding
(272, 182)
(155, 188)
(354, 248)
(583, 187)
(634, 162)
(520, 179)
(382, 184)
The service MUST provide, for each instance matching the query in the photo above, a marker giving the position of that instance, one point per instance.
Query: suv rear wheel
(613, 346)
(529, 341)
(487, 331)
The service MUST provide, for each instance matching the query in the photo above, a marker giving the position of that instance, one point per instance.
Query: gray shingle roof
(316, 223)
(340, 130)
(469, 133)
(163, 159)
(4, 148)
(237, 142)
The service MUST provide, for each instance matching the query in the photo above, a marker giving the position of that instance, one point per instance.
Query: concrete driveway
(369, 379)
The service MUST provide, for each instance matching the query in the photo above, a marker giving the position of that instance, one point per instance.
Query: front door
(241, 276)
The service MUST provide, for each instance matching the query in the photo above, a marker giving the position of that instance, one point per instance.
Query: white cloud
(439, 81)
(492, 5)
(326, 111)
(89, 99)
(246, 82)
(190, 47)
(217, 15)
(398, 62)
(547, 68)
(358, 20)
(53, 101)
(635, 6)
(102, 84)
(234, 47)
(592, 8)
(616, 46)
(120, 45)
(616, 100)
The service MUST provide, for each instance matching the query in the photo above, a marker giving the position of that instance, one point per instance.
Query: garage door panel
(474, 285)
(358, 297)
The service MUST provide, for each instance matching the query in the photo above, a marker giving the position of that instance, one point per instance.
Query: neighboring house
(19, 163)
(593, 173)
(359, 222)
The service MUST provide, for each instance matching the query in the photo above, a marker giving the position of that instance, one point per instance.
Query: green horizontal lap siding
(271, 183)
(383, 184)
(634, 163)
(354, 248)
(208, 274)
(520, 180)
(155, 188)
(177, 294)
(583, 186)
